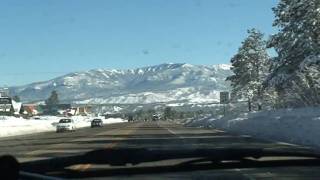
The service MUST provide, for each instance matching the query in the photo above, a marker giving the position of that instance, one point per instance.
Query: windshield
(207, 89)
(65, 121)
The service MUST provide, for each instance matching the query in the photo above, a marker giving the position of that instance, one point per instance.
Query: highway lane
(149, 134)
(51, 144)
(155, 135)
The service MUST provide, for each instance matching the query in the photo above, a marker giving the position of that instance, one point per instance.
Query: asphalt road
(155, 135)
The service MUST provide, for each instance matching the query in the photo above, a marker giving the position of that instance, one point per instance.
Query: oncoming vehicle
(155, 117)
(179, 89)
(96, 123)
(66, 125)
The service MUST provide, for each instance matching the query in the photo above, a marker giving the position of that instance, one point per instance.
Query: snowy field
(11, 126)
(297, 126)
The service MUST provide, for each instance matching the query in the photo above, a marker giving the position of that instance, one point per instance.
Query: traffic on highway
(160, 89)
(144, 150)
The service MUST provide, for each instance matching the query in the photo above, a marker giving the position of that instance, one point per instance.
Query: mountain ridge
(167, 82)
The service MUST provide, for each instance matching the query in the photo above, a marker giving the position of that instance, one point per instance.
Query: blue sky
(42, 39)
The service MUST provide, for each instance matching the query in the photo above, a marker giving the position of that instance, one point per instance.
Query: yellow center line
(85, 167)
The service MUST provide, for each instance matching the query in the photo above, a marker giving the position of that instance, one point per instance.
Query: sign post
(224, 99)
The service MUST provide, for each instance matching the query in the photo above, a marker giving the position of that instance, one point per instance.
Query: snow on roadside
(297, 126)
(12, 126)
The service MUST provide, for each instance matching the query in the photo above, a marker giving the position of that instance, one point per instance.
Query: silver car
(66, 125)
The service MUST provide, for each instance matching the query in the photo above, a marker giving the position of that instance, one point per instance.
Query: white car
(66, 125)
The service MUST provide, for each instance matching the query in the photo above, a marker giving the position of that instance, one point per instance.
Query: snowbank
(11, 126)
(298, 126)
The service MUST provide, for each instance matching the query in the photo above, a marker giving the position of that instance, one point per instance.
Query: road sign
(224, 97)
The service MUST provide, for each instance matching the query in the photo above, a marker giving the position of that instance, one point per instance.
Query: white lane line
(170, 131)
(287, 144)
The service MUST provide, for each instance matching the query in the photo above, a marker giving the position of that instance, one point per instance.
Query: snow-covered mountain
(161, 83)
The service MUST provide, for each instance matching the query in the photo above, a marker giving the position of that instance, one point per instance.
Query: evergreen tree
(52, 102)
(53, 99)
(16, 98)
(297, 75)
(167, 114)
(250, 67)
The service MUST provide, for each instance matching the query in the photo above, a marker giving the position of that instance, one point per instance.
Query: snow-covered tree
(250, 66)
(297, 43)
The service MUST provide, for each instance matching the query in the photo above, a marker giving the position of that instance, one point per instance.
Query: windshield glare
(160, 89)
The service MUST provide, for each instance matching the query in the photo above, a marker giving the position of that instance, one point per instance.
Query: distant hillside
(161, 83)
